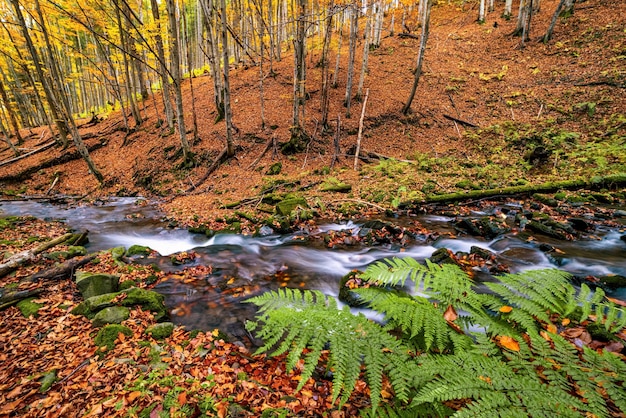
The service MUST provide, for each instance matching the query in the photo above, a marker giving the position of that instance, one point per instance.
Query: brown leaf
(572, 332)
(182, 398)
(450, 314)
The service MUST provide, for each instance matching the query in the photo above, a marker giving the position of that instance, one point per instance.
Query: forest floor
(542, 113)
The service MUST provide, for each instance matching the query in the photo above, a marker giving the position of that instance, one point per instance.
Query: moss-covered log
(599, 182)
(25, 256)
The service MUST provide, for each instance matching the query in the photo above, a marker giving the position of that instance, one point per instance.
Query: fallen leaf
(509, 343)
(506, 309)
(450, 314)
(617, 301)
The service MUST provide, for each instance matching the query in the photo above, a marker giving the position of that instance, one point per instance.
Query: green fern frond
(606, 312)
(313, 320)
(416, 317)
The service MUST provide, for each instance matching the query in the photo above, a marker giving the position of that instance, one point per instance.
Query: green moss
(27, 307)
(8, 222)
(108, 334)
(160, 331)
(138, 250)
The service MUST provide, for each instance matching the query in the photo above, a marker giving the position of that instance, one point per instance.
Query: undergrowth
(454, 351)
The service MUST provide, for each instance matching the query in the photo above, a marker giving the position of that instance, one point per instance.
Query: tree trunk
(354, 28)
(299, 79)
(163, 72)
(52, 102)
(338, 56)
(130, 96)
(10, 113)
(230, 149)
(420, 56)
(172, 24)
(508, 9)
(64, 108)
(481, 11)
(555, 17)
(210, 23)
(366, 49)
(324, 62)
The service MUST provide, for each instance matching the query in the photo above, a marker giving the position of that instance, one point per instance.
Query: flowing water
(242, 266)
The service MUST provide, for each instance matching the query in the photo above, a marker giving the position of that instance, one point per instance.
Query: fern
(309, 319)
(496, 358)
(418, 319)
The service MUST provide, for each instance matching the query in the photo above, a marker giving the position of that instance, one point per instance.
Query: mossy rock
(28, 307)
(138, 250)
(127, 284)
(111, 315)
(286, 206)
(546, 199)
(117, 253)
(161, 330)
(108, 334)
(94, 284)
(147, 299)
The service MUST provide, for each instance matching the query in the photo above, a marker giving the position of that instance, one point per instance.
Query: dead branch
(25, 256)
(65, 270)
(268, 144)
(462, 122)
(35, 151)
(223, 156)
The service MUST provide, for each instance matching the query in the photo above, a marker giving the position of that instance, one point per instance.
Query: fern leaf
(310, 319)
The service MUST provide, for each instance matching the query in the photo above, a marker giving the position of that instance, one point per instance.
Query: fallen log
(23, 257)
(11, 297)
(60, 159)
(59, 272)
(610, 181)
(28, 154)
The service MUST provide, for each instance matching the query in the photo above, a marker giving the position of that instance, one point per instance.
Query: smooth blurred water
(257, 264)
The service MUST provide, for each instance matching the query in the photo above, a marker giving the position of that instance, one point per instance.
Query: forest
(243, 121)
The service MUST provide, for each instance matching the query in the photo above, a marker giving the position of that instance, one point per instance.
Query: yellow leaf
(509, 343)
(506, 309)
(565, 322)
(551, 328)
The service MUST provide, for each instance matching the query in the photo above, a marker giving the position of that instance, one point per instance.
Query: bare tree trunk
(163, 72)
(420, 56)
(7, 139)
(366, 49)
(555, 17)
(194, 118)
(52, 102)
(324, 62)
(172, 25)
(481, 11)
(299, 68)
(230, 149)
(10, 113)
(212, 55)
(126, 65)
(354, 27)
(338, 57)
(508, 6)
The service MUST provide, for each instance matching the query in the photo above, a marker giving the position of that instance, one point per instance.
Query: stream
(243, 266)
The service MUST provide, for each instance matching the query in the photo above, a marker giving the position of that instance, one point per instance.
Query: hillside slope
(565, 96)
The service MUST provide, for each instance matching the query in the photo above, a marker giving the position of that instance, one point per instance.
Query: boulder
(94, 284)
(147, 299)
(111, 315)
(161, 330)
